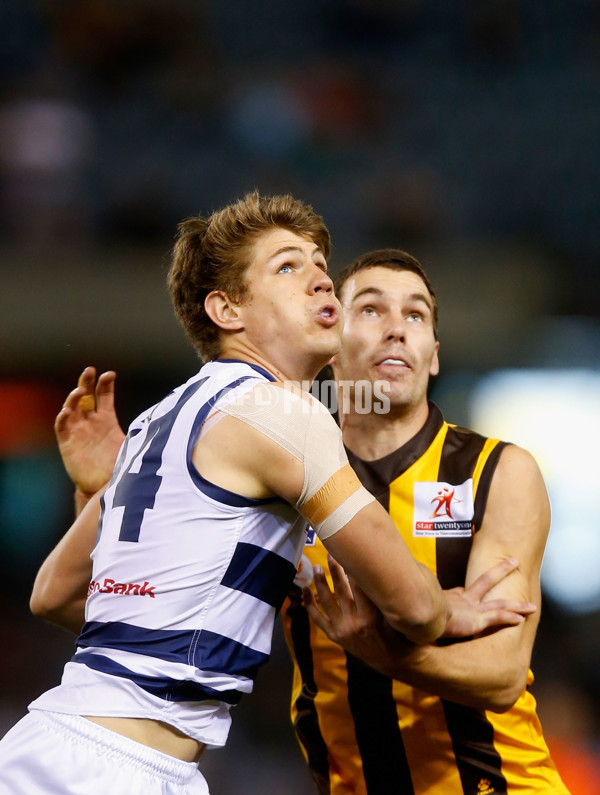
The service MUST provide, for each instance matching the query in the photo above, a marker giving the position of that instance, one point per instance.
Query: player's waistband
(163, 766)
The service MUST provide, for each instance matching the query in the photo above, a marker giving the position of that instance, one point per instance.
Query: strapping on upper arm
(331, 493)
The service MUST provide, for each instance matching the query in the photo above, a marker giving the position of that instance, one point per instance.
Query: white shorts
(47, 753)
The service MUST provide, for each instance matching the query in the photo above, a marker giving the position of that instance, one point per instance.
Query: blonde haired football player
(196, 538)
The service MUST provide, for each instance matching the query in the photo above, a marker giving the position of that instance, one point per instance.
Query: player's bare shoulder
(518, 507)
(518, 469)
(258, 440)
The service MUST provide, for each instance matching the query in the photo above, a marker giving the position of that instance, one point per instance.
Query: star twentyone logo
(443, 510)
(443, 499)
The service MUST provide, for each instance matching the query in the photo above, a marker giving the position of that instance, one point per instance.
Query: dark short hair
(395, 259)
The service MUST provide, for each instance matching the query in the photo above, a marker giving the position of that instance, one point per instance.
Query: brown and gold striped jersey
(363, 733)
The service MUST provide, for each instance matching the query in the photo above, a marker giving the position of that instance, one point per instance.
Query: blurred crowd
(443, 121)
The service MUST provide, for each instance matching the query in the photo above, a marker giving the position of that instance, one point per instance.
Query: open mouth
(328, 315)
(392, 361)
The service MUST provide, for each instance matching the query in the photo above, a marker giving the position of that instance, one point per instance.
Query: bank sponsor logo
(123, 588)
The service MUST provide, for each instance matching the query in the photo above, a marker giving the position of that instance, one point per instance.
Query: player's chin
(397, 397)
(329, 340)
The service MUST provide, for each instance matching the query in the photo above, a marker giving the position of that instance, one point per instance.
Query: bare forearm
(439, 611)
(81, 500)
(486, 673)
(406, 591)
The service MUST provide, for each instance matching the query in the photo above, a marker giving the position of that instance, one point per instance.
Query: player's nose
(395, 328)
(320, 281)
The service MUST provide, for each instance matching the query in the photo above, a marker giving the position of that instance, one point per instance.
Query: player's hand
(472, 614)
(350, 618)
(88, 432)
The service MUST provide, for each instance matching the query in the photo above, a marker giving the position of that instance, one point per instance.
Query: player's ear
(223, 312)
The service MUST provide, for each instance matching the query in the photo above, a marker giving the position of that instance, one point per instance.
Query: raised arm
(89, 438)
(489, 671)
(88, 434)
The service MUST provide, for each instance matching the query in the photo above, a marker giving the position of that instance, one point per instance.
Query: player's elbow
(506, 693)
(40, 604)
(66, 614)
(503, 700)
(45, 602)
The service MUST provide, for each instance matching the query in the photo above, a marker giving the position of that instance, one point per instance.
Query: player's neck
(301, 372)
(373, 436)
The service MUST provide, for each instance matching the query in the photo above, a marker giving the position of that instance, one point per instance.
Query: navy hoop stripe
(259, 573)
(171, 645)
(163, 687)
(214, 652)
(206, 650)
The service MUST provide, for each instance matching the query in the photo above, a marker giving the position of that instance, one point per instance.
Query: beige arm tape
(331, 493)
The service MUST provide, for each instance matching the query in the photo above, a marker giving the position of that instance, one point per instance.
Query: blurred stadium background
(467, 133)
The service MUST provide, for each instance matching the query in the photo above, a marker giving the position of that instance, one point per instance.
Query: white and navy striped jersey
(187, 576)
